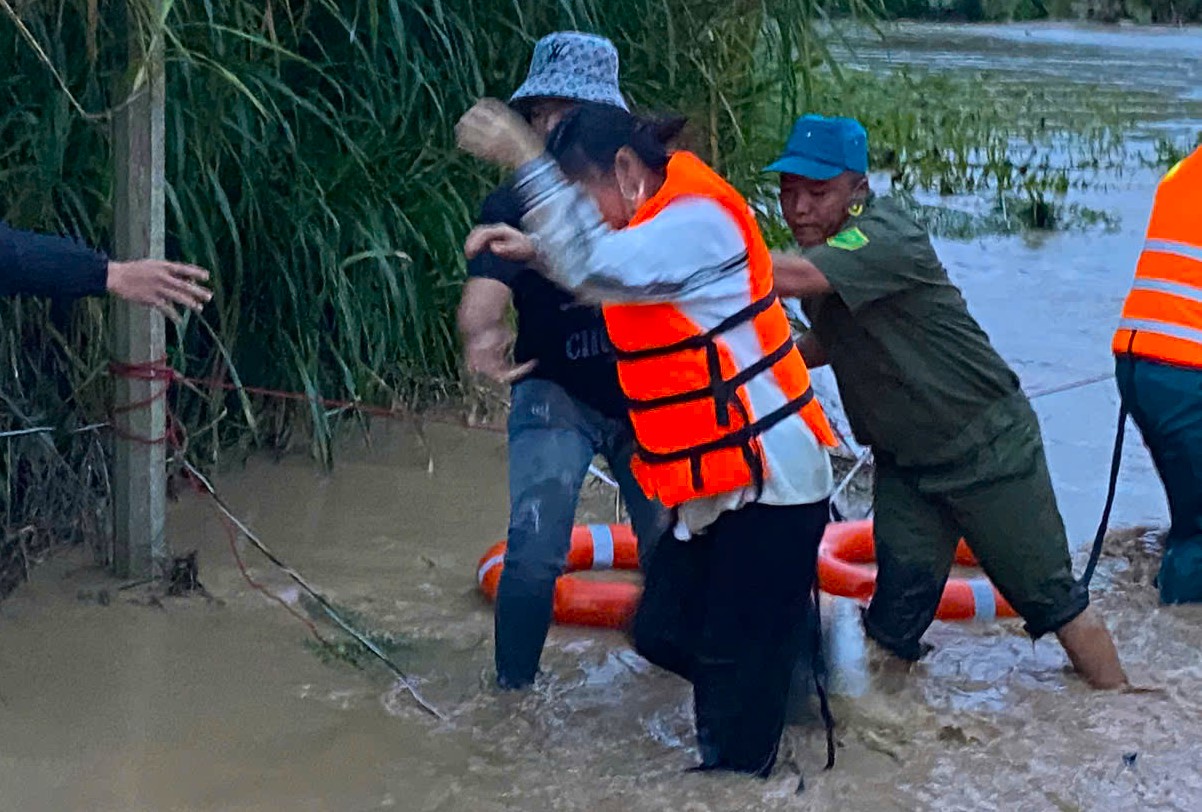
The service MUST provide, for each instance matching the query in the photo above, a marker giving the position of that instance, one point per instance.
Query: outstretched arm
(47, 265)
(797, 277)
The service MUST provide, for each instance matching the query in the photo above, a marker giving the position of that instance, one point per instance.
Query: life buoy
(581, 602)
(847, 548)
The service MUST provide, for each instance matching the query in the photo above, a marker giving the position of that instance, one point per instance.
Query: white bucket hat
(573, 66)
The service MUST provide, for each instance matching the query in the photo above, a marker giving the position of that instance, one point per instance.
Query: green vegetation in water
(1019, 147)
(346, 649)
(1009, 214)
(980, 132)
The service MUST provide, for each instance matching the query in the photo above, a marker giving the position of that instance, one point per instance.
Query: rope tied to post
(160, 370)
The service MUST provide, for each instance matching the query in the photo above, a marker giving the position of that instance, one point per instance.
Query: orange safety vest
(695, 430)
(1162, 318)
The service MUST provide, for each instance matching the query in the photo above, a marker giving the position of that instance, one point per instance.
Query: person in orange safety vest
(697, 419)
(1158, 365)
(727, 429)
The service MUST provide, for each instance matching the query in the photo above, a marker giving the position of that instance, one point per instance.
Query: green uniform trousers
(999, 498)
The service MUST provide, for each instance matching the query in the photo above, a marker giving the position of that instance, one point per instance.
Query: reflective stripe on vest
(1172, 288)
(1179, 249)
(1161, 328)
(696, 430)
(1162, 317)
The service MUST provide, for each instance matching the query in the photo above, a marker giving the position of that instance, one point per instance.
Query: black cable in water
(819, 669)
(1116, 461)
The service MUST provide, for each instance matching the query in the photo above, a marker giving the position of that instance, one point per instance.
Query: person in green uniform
(957, 446)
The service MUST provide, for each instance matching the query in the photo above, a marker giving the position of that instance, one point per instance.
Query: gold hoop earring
(855, 209)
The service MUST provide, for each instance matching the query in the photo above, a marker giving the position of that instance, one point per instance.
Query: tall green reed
(312, 166)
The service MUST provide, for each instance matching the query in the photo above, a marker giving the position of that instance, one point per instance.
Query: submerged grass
(1008, 214)
(1021, 147)
(973, 132)
(344, 648)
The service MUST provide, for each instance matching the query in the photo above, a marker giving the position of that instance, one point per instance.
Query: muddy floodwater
(126, 700)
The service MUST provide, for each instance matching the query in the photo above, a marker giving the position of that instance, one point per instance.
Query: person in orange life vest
(1158, 366)
(727, 429)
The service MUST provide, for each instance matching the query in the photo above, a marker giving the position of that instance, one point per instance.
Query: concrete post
(137, 332)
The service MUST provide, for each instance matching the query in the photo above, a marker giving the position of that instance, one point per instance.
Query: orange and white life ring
(581, 602)
(844, 560)
(844, 568)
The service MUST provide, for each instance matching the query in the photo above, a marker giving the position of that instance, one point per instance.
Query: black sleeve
(502, 206)
(46, 265)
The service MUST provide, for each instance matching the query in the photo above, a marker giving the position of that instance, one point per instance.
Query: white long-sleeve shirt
(691, 254)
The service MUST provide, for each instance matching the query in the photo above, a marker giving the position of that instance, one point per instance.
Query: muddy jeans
(552, 440)
(1166, 403)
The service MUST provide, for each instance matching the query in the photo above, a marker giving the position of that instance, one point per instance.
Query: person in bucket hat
(566, 406)
(957, 446)
(573, 67)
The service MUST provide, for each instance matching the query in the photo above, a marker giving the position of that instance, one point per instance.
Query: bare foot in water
(1091, 650)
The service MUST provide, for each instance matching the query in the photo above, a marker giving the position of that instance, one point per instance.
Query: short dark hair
(590, 137)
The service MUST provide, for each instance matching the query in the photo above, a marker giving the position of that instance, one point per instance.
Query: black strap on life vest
(750, 456)
(721, 391)
(721, 388)
(699, 342)
(739, 438)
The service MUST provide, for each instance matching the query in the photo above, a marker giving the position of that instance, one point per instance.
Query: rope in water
(160, 371)
(325, 605)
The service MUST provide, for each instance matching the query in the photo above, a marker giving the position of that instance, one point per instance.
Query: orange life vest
(1162, 318)
(695, 430)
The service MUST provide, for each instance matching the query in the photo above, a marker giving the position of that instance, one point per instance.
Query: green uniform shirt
(919, 379)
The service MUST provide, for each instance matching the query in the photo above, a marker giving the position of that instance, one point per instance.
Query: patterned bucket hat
(574, 66)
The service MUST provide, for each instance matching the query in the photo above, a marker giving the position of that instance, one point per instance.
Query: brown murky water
(111, 700)
(191, 704)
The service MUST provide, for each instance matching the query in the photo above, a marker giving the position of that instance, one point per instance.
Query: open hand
(504, 241)
(159, 283)
(495, 133)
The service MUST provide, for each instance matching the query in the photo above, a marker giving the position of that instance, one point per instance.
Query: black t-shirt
(566, 338)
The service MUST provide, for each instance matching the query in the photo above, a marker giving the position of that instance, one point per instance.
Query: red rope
(160, 370)
(232, 537)
(280, 394)
(149, 371)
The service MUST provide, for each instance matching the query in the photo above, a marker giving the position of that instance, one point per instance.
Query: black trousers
(727, 611)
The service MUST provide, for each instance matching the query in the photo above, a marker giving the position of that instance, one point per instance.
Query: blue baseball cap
(822, 148)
